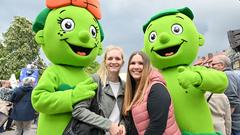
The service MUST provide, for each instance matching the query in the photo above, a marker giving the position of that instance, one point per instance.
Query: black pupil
(153, 36)
(68, 25)
(176, 29)
(93, 32)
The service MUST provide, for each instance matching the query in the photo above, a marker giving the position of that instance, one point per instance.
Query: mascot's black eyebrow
(95, 19)
(180, 17)
(62, 11)
(149, 26)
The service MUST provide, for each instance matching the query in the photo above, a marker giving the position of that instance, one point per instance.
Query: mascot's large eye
(177, 29)
(152, 36)
(93, 31)
(67, 24)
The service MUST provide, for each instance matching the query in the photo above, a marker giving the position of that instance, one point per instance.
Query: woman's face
(114, 61)
(136, 67)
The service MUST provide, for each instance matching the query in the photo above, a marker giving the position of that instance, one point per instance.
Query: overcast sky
(123, 19)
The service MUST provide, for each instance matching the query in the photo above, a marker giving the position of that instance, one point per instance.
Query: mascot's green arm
(212, 80)
(46, 99)
(54, 95)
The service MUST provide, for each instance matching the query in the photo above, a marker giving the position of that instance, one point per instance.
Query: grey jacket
(107, 101)
(233, 94)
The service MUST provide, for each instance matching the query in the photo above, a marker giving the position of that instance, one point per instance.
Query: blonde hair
(102, 71)
(134, 94)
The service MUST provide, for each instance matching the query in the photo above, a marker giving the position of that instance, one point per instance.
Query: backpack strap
(209, 97)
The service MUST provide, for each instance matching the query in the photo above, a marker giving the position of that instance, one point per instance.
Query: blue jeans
(235, 132)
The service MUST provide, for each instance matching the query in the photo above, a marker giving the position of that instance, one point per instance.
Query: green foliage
(92, 68)
(18, 48)
(40, 65)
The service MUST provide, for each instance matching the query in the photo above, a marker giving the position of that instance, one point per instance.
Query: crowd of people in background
(225, 108)
(15, 105)
(6, 92)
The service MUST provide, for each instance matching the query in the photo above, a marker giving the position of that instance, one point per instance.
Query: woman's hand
(123, 130)
(115, 129)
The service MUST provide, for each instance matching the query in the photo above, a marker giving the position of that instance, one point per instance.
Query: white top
(115, 115)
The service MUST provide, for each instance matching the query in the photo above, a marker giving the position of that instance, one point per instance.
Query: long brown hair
(102, 71)
(134, 92)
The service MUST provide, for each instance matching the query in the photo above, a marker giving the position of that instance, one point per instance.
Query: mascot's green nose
(164, 37)
(84, 36)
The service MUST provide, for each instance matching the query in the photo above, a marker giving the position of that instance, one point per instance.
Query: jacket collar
(227, 69)
(108, 89)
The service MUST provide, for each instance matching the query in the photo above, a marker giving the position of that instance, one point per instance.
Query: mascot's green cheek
(168, 38)
(67, 32)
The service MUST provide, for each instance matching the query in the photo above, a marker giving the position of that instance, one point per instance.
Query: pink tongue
(169, 54)
(81, 53)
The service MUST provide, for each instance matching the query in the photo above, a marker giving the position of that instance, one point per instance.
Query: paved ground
(12, 132)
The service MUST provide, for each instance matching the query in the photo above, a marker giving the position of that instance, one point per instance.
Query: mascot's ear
(201, 40)
(39, 37)
(100, 50)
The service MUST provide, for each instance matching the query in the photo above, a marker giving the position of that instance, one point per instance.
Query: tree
(18, 48)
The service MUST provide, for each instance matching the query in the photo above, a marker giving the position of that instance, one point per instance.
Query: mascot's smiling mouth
(82, 51)
(170, 50)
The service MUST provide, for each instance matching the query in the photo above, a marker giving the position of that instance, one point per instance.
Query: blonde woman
(147, 103)
(111, 96)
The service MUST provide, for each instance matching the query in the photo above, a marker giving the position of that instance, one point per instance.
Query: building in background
(233, 52)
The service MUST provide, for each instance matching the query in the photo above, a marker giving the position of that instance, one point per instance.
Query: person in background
(221, 112)
(219, 106)
(147, 104)
(6, 106)
(6, 90)
(23, 112)
(223, 63)
(111, 96)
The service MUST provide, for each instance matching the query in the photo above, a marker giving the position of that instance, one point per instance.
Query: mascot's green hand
(188, 78)
(84, 90)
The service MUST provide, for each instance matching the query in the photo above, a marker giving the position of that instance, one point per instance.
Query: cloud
(11, 8)
(123, 20)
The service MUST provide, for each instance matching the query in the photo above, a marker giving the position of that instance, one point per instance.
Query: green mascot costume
(70, 36)
(171, 40)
